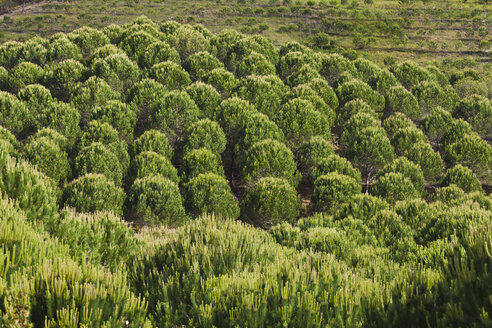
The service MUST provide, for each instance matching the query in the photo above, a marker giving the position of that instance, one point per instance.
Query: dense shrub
(311, 152)
(176, 113)
(149, 163)
(269, 158)
(14, 114)
(90, 94)
(94, 192)
(205, 97)
(171, 75)
(477, 111)
(45, 154)
(355, 89)
(332, 189)
(409, 170)
(396, 122)
(210, 193)
(97, 158)
(299, 121)
(107, 135)
(333, 163)
(24, 74)
(269, 202)
(401, 100)
(155, 199)
(462, 177)
(119, 115)
(33, 191)
(393, 186)
(205, 134)
(199, 161)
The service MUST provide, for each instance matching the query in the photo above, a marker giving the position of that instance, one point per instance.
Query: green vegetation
(160, 175)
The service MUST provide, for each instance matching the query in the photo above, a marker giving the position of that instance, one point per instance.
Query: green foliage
(135, 44)
(176, 114)
(331, 189)
(269, 202)
(300, 121)
(64, 78)
(198, 161)
(311, 152)
(153, 140)
(477, 111)
(352, 108)
(149, 163)
(146, 97)
(71, 293)
(14, 114)
(255, 64)
(90, 94)
(94, 192)
(95, 236)
(256, 127)
(401, 100)
(155, 199)
(332, 66)
(405, 138)
(118, 71)
(356, 89)
(324, 91)
(430, 95)
(410, 74)
(223, 81)
(33, 192)
(409, 170)
(369, 150)
(395, 123)
(9, 53)
(45, 154)
(7, 136)
(171, 75)
(121, 116)
(158, 52)
(205, 134)
(96, 158)
(24, 74)
(232, 114)
(305, 92)
(393, 186)
(421, 153)
(104, 133)
(200, 64)
(269, 158)
(210, 193)
(88, 39)
(205, 97)
(437, 124)
(473, 152)
(61, 48)
(333, 163)
(266, 93)
(362, 207)
(462, 177)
